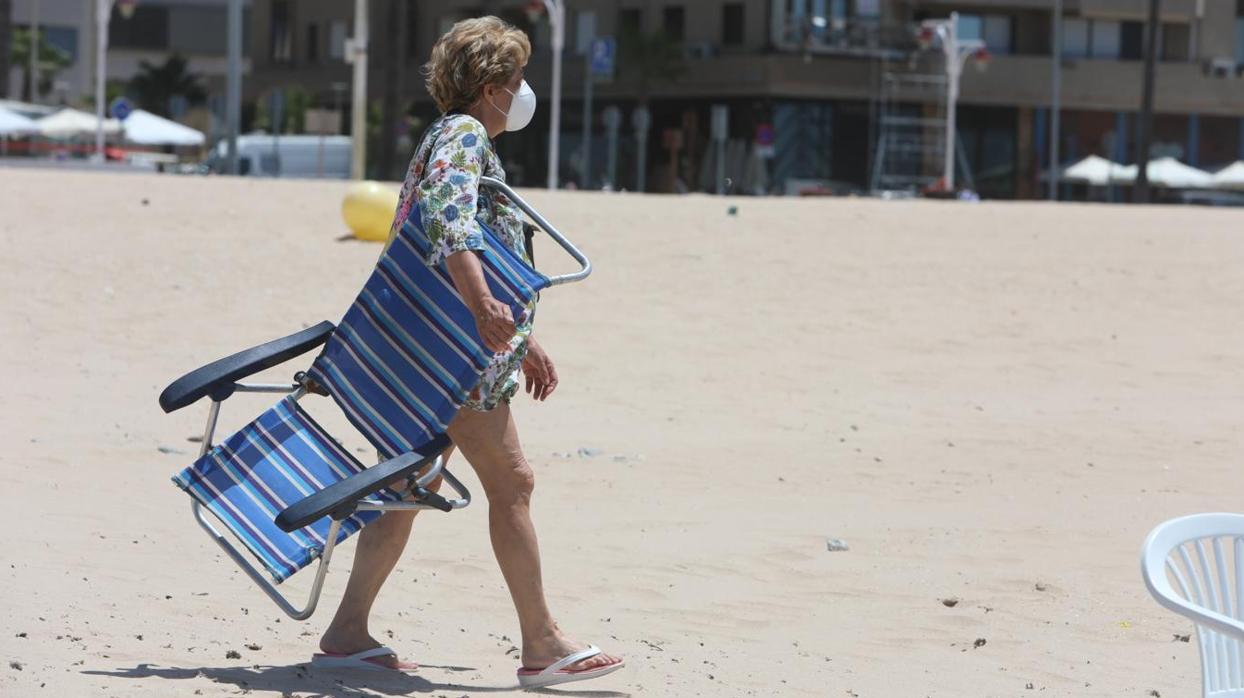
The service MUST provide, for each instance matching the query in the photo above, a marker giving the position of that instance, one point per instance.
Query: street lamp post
(956, 51)
(233, 84)
(358, 106)
(1056, 89)
(34, 52)
(557, 20)
(103, 13)
(103, 16)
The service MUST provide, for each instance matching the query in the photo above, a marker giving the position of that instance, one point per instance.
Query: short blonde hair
(472, 54)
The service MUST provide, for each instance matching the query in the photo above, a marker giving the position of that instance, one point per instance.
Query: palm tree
(155, 85)
(6, 44)
(51, 61)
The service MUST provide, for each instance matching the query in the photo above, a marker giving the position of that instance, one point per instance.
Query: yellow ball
(368, 210)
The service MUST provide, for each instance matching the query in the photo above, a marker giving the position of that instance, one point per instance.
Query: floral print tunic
(444, 180)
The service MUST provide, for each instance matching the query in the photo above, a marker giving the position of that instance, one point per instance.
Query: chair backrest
(1194, 566)
(267, 465)
(406, 355)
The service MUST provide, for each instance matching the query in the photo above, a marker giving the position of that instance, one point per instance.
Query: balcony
(1103, 85)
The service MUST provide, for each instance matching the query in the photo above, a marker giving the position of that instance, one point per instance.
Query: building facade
(193, 29)
(805, 82)
(811, 74)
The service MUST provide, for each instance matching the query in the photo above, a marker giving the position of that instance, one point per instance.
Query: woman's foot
(543, 653)
(343, 645)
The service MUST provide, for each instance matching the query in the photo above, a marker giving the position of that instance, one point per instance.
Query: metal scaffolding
(911, 130)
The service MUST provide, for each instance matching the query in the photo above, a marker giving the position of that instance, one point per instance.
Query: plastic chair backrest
(1194, 566)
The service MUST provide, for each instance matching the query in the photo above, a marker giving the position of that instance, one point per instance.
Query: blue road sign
(604, 52)
(121, 108)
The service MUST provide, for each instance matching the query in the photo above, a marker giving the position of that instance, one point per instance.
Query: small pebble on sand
(835, 545)
(233, 654)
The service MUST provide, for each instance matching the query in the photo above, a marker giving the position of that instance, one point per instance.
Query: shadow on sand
(301, 680)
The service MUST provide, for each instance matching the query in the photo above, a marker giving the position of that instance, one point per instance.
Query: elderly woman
(475, 74)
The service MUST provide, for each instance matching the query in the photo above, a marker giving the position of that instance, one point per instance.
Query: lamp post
(34, 52)
(233, 84)
(358, 107)
(103, 15)
(1056, 89)
(556, 10)
(957, 51)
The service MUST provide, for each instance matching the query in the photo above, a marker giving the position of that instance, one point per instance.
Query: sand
(992, 403)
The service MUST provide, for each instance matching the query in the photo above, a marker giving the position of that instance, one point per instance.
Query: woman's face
(501, 96)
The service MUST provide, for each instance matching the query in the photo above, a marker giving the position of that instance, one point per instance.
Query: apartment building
(1199, 95)
(810, 73)
(803, 76)
(195, 29)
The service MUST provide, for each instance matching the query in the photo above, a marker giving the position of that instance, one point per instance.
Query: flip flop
(556, 672)
(361, 660)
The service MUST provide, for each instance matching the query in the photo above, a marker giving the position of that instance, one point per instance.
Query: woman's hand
(540, 372)
(495, 322)
(493, 319)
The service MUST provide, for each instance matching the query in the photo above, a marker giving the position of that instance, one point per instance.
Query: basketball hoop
(126, 8)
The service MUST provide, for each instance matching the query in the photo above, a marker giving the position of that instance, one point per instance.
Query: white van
(262, 155)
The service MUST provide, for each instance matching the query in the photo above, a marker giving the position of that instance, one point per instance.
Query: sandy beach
(988, 403)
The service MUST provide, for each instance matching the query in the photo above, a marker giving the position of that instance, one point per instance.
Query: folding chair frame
(219, 380)
(298, 390)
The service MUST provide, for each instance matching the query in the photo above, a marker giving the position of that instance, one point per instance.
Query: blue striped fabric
(274, 461)
(407, 354)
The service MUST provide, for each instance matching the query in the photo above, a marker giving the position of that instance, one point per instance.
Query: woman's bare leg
(489, 441)
(380, 545)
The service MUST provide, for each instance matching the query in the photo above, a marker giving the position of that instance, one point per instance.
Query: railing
(856, 36)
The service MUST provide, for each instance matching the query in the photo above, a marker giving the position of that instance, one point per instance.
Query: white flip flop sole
(555, 673)
(358, 660)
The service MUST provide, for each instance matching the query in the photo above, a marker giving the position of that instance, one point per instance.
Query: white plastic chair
(1203, 555)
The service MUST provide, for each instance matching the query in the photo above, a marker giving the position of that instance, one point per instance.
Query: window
(279, 42)
(997, 34)
(1175, 42)
(675, 22)
(1075, 37)
(1239, 40)
(732, 27)
(198, 29)
(1105, 39)
(970, 27)
(63, 38)
(1239, 37)
(1132, 41)
(630, 21)
(147, 29)
(867, 8)
(313, 43)
(337, 39)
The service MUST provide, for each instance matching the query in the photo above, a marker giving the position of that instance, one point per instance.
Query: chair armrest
(340, 498)
(223, 372)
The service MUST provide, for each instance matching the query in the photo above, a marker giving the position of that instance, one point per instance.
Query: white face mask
(522, 108)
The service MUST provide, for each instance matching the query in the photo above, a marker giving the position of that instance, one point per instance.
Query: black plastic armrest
(206, 380)
(340, 498)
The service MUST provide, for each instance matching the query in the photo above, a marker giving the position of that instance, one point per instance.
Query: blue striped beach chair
(399, 364)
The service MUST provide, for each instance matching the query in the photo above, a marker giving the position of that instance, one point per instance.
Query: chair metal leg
(258, 577)
(261, 581)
